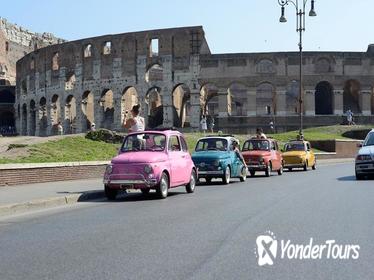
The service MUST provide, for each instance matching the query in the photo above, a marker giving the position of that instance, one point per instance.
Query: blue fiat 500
(215, 157)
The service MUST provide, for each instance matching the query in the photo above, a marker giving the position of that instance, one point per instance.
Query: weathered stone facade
(176, 79)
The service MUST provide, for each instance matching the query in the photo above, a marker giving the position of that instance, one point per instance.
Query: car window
(294, 147)
(256, 145)
(273, 146)
(144, 142)
(369, 140)
(211, 144)
(184, 144)
(308, 146)
(174, 144)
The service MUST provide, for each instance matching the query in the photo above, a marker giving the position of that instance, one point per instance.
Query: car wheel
(226, 178)
(243, 176)
(163, 187)
(280, 171)
(314, 166)
(253, 173)
(208, 180)
(190, 187)
(305, 167)
(110, 194)
(145, 191)
(289, 169)
(359, 177)
(268, 170)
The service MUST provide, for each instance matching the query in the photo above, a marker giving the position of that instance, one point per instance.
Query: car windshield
(294, 147)
(256, 145)
(144, 142)
(211, 144)
(370, 140)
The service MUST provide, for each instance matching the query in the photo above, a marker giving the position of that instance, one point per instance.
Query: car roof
(298, 141)
(164, 132)
(219, 137)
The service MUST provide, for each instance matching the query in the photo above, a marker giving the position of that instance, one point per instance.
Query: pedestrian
(60, 129)
(203, 124)
(349, 114)
(211, 124)
(236, 149)
(260, 133)
(93, 127)
(135, 123)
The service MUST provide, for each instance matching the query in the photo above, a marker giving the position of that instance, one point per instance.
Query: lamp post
(300, 28)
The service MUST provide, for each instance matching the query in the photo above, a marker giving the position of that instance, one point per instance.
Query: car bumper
(365, 168)
(261, 167)
(294, 165)
(203, 174)
(129, 181)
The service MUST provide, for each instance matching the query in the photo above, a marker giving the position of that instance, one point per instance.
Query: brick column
(195, 110)
(309, 103)
(117, 95)
(338, 102)
(167, 102)
(77, 127)
(224, 106)
(365, 100)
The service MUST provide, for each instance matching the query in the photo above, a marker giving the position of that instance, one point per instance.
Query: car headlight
(363, 157)
(148, 169)
(202, 164)
(109, 169)
(216, 163)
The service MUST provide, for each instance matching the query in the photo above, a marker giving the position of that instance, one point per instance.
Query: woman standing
(136, 123)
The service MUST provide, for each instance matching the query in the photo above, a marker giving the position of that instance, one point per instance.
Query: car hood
(257, 153)
(294, 153)
(210, 155)
(140, 157)
(367, 150)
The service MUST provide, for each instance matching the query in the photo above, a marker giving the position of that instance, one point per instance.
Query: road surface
(210, 234)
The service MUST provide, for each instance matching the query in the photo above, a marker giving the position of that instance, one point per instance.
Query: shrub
(105, 135)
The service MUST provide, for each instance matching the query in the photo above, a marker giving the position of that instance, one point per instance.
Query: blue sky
(230, 26)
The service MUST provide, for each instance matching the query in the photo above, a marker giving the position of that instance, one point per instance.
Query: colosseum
(176, 79)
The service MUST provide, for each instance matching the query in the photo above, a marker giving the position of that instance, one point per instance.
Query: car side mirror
(359, 145)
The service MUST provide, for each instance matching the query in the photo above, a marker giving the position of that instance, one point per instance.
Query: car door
(176, 159)
(279, 155)
(310, 155)
(187, 160)
(274, 156)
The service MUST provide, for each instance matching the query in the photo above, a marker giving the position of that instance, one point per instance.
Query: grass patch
(16, 146)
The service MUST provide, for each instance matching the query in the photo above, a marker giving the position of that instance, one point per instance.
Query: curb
(23, 207)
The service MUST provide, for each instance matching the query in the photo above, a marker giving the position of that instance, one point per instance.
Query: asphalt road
(207, 235)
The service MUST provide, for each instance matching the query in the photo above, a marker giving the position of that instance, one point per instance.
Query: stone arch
(43, 121)
(55, 113)
(154, 73)
(70, 81)
(88, 110)
(351, 96)
(24, 119)
(266, 99)
(292, 97)
(209, 99)
(239, 100)
(181, 96)
(372, 100)
(70, 122)
(32, 118)
(322, 65)
(107, 109)
(324, 98)
(155, 110)
(129, 98)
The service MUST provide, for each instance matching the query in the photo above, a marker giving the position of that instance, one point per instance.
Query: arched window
(323, 66)
(55, 62)
(265, 66)
(107, 48)
(87, 50)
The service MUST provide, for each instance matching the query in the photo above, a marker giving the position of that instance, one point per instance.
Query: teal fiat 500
(215, 157)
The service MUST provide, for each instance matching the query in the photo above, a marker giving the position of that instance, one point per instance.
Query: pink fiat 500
(151, 160)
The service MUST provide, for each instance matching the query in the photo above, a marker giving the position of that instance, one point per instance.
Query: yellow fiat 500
(298, 154)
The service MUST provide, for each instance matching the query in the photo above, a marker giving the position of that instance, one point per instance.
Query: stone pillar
(365, 101)
(29, 121)
(338, 102)
(195, 110)
(117, 95)
(49, 119)
(281, 106)
(309, 103)
(37, 120)
(224, 104)
(78, 126)
(63, 116)
(167, 102)
(21, 122)
(251, 102)
(98, 109)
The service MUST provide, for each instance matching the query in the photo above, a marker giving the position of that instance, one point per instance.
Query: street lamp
(300, 27)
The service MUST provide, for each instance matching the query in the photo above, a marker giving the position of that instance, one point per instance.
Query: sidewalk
(23, 198)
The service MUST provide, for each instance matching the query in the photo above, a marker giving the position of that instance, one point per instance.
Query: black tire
(359, 177)
(268, 170)
(190, 187)
(305, 167)
(227, 177)
(280, 170)
(243, 176)
(253, 173)
(110, 194)
(289, 169)
(208, 180)
(162, 188)
(145, 191)
(314, 166)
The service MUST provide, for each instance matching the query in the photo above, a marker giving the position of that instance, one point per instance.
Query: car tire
(314, 166)
(227, 177)
(268, 170)
(359, 177)
(162, 189)
(208, 180)
(145, 191)
(280, 170)
(289, 169)
(190, 187)
(305, 167)
(110, 194)
(253, 173)
(243, 176)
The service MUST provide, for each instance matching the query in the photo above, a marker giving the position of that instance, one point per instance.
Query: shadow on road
(353, 178)
(135, 197)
